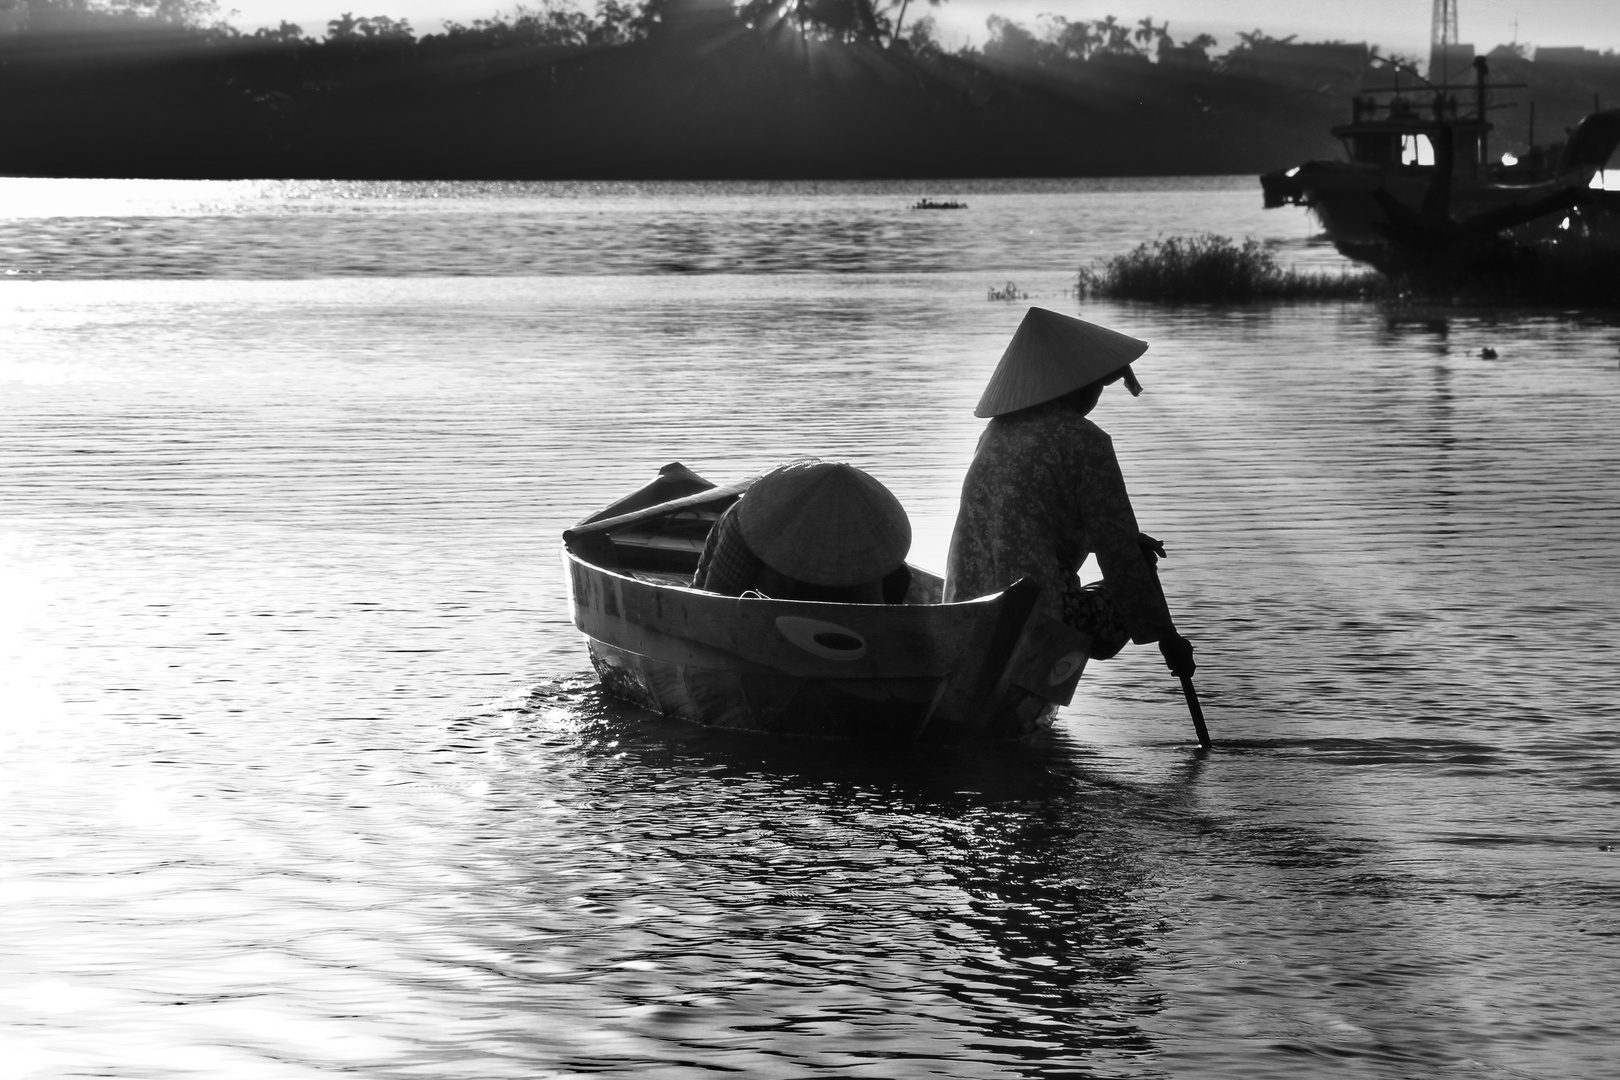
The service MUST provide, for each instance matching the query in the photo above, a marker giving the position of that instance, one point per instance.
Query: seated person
(811, 530)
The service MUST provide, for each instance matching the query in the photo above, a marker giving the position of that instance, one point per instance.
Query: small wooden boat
(989, 668)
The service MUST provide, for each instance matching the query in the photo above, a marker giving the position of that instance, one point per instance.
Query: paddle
(1197, 711)
(728, 494)
(1153, 551)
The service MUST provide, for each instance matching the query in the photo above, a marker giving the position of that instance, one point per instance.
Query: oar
(1150, 548)
(1197, 711)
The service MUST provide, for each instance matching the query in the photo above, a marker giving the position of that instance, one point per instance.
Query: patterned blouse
(1043, 492)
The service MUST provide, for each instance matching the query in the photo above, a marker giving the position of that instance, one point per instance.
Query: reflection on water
(304, 770)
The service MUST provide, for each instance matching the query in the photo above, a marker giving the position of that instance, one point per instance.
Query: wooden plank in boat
(674, 481)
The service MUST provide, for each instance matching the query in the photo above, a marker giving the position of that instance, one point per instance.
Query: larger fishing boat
(1420, 192)
(990, 668)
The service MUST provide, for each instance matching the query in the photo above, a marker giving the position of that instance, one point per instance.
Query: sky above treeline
(1395, 25)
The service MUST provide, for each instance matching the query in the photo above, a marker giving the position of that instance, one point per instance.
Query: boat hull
(1353, 204)
(986, 669)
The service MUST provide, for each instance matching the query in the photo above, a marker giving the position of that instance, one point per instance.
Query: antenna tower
(1442, 37)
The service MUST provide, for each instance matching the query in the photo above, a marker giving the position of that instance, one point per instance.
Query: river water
(304, 769)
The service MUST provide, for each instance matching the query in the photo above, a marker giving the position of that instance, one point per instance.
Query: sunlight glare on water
(305, 768)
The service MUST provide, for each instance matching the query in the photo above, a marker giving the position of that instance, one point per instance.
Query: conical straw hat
(1050, 355)
(824, 522)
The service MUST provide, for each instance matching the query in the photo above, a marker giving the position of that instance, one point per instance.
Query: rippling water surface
(304, 769)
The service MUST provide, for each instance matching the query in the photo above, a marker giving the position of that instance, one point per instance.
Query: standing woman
(1045, 490)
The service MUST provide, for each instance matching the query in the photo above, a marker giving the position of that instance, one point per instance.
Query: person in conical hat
(1044, 491)
(811, 530)
(1053, 354)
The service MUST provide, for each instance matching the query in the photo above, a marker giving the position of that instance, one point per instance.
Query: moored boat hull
(1352, 202)
(1460, 218)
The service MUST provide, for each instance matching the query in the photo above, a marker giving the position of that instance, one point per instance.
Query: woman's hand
(1152, 550)
(1178, 655)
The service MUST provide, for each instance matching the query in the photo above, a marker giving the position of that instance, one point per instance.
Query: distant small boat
(990, 668)
(930, 204)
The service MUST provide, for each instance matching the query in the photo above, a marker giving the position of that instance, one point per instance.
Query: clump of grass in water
(1212, 269)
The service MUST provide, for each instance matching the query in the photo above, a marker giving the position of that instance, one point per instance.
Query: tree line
(617, 22)
(633, 88)
(541, 23)
(1053, 43)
